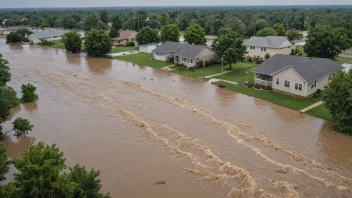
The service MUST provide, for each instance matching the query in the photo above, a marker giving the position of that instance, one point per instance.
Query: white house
(296, 76)
(166, 51)
(148, 48)
(259, 46)
(48, 35)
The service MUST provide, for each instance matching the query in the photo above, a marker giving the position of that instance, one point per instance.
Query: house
(148, 48)
(183, 54)
(296, 76)
(259, 46)
(125, 37)
(48, 35)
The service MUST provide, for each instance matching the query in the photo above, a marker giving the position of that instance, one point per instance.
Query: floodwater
(139, 125)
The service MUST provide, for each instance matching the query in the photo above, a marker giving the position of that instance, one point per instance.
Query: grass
(143, 59)
(239, 75)
(210, 70)
(58, 44)
(122, 49)
(276, 98)
(301, 49)
(320, 112)
(341, 60)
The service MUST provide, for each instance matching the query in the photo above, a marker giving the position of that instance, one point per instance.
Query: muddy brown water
(140, 125)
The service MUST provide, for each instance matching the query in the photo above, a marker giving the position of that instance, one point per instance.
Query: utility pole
(138, 21)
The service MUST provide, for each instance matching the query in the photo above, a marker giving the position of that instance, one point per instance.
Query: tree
(101, 26)
(170, 33)
(116, 22)
(28, 93)
(5, 75)
(261, 24)
(114, 33)
(337, 98)
(236, 25)
(3, 161)
(326, 42)
(293, 35)
(280, 29)
(20, 126)
(97, 43)
(72, 41)
(147, 35)
(104, 16)
(68, 22)
(195, 35)
(91, 22)
(267, 56)
(229, 47)
(8, 100)
(267, 32)
(17, 36)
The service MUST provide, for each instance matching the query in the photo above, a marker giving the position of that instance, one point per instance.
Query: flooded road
(139, 125)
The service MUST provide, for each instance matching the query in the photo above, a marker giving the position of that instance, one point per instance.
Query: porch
(263, 79)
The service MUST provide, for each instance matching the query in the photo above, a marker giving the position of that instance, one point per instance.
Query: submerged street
(140, 125)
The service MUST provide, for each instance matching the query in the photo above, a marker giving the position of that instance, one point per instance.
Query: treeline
(245, 21)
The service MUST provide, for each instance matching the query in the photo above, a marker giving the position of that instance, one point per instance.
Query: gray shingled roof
(190, 51)
(48, 33)
(269, 42)
(310, 69)
(168, 47)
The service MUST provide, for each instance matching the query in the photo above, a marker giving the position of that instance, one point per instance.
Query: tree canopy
(5, 75)
(267, 32)
(91, 22)
(28, 93)
(280, 29)
(293, 35)
(72, 41)
(195, 35)
(326, 42)
(114, 33)
(337, 98)
(147, 35)
(97, 43)
(170, 33)
(19, 35)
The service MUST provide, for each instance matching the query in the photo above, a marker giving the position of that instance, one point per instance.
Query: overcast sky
(119, 3)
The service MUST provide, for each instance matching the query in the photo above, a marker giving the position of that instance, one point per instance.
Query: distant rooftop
(276, 42)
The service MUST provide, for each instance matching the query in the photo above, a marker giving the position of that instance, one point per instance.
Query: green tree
(280, 29)
(261, 24)
(114, 33)
(170, 33)
(17, 36)
(293, 35)
(337, 98)
(5, 75)
(116, 22)
(326, 42)
(101, 26)
(267, 32)
(28, 93)
(195, 35)
(97, 43)
(8, 100)
(72, 41)
(267, 56)
(147, 35)
(104, 16)
(91, 22)
(3, 161)
(69, 22)
(20, 126)
(229, 47)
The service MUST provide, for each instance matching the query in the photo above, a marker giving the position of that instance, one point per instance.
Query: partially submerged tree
(337, 98)
(3, 162)
(326, 42)
(18, 36)
(21, 127)
(5, 75)
(170, 33)
(97, 43)
(8, 100)
(195, 35)
(28, 93)
(72, 41)
(147, 35)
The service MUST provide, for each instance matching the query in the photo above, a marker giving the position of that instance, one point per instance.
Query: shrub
(200, 63)
(46, 43)
(270, 88)
(28, 93)
(170, 59)
(129, 44)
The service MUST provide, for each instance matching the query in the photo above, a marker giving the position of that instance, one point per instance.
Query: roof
(150, 44)
(48, 33)
(168, 47)
(310, 69)
(190, 51)
(126, 35)
(277, 42)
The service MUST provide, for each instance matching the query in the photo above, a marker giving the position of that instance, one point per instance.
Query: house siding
(272, 51)
(187, 62)
(292, 76)
(159, 57)
(321, 83)
(147, 49)
(206, 55)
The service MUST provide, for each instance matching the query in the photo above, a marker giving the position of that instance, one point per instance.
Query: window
(331, 76)
(314, 85)
(157, 53)
(263, 49)
(277, 81)
(298, 86)
(287, 83)
(191, 61)
(252, 47)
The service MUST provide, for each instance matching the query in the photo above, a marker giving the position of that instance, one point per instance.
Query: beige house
(183, 54)
(259, 46)
(296, 75)
(125, 37)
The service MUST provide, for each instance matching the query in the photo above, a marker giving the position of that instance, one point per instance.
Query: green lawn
(210, 70)
(240, 75)
(301, 49)
(341, 60)
(122, 49)
(276, 98)
(143, 59)
(321, 112)
(58, 44)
